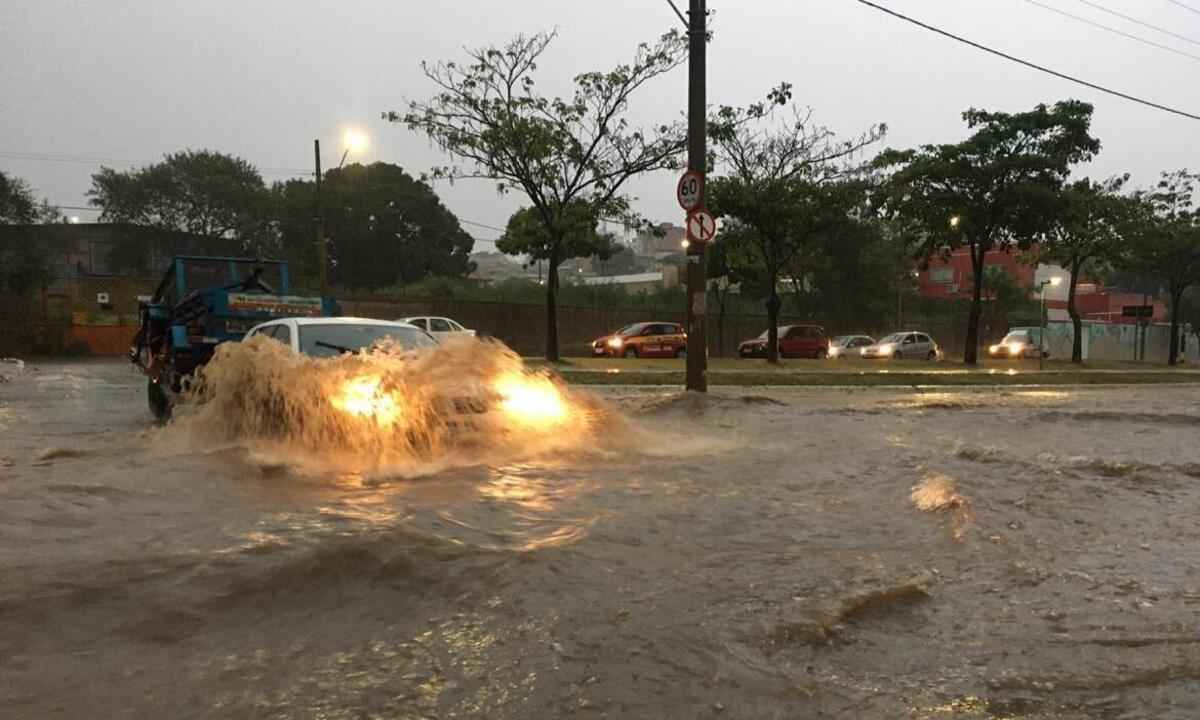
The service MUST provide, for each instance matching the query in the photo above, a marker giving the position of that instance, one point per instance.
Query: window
(455, 326)
(924, 338)
(439, 325)
(910, 339)
(793, 333)
(283, 334)
(334, 339)
(943, 276)
(419, 322)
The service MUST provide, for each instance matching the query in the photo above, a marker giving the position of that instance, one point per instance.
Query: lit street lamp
(1054, 281)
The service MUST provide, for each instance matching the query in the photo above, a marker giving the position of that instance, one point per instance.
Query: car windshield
(629, 330)
(841, 340)
(334, 339)
(893, 338)
(1016, 337)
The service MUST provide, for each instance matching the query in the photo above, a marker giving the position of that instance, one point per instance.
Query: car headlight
(834, 352)
(615, 342)
(994, 349)
(885, 349)
(1015, 348)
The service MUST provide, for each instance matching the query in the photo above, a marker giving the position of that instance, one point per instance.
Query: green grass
(854, 372)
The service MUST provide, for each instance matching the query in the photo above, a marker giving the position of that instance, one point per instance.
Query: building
(665, 239)
(668, 277)
(952, 278)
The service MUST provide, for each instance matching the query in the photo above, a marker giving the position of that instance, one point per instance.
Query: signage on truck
(286, 305)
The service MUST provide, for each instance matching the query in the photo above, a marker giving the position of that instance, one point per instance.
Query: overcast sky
(129, 80)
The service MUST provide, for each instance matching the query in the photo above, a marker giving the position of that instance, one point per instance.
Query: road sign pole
(697, 336)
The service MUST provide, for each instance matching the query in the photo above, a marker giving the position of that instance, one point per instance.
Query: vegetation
(1087, 231)
(998, 189)
(1164, 242)
(570, 157)
(785, 184)
(383, 228)
(24, 266)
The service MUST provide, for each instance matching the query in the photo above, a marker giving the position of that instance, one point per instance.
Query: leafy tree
(24, 262)
(996, 189)
(1086, 231)
(203, 193)
(1164, 237)
(384, 228)
(569, 156)
(784, 181)
(527, 235)
(725, 271)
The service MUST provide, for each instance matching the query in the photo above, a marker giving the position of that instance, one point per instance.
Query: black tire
(159, 403)
(931, 356)
(630, 352)
(681, 352)
(897, 356)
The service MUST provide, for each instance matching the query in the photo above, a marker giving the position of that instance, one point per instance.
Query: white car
(904, 345)
(439, 327)
(330, 337)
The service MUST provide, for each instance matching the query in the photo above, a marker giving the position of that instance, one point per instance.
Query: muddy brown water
(888, 553)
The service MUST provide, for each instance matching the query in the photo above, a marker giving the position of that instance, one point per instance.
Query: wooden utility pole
(697, 338)
(318, 220)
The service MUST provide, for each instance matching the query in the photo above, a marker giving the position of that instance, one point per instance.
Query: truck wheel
(159, 403)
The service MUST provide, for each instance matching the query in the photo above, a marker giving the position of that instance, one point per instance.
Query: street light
(354, 141)
(684, 244)
(954, 221)
(1053, 281)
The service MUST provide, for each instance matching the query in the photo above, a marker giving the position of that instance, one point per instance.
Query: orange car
(643, 340)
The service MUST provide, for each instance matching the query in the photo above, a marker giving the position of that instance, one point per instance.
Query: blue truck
(202, 302)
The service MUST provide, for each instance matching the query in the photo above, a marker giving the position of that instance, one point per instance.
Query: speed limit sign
(690, 190)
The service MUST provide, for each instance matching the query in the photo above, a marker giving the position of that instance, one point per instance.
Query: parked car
(844, 345)
(794, 341)
(330, 337)
(643, 340)
(1018, 343)
(908, 344)
(439, 327)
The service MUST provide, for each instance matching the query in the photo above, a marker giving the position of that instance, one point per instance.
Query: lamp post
(1054, 281)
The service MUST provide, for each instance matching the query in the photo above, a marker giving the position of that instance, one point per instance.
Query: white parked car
(330, 337)
(439, 327)
(904, 345)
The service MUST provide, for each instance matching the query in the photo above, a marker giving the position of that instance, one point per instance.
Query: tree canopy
(202, 193)
(1164, 241)
(1087, 231)
(568, 156)
(384, 228)
(24, 266)
(997, 189)
(787, 180)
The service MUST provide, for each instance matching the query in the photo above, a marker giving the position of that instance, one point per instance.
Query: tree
(1164, 239)
(203, 193)
(24, 262)
(384, 228)
(785, 181)
(1087, 230)
(569, 156)
(527, 235)
(997, 189)
(724, 270)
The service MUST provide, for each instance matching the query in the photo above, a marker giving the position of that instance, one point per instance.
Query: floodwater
(998, 553)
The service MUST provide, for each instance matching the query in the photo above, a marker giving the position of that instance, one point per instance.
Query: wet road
(756, 554)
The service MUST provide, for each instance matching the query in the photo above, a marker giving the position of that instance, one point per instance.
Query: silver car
(844, 346)
(904, 345)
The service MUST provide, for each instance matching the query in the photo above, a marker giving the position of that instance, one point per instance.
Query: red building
(953, 278)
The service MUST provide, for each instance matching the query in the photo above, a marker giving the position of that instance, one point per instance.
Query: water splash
(465, 401)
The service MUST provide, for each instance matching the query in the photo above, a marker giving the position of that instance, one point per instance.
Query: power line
(1113, 30)
(1029, 64)
(85, 160)
(1135, 21)
(1185, 7)
(477, 224)
(682, 19)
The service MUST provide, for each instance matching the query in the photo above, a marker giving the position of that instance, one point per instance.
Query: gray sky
(130, 80)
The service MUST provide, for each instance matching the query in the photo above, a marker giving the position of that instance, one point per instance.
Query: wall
(1116, 342)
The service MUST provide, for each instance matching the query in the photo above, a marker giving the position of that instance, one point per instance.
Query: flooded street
(883, 553)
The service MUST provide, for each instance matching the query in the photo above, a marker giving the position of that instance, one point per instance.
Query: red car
(794, 341)
(644, 340)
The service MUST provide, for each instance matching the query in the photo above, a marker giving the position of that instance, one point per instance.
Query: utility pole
(318, 220)
(697, 336)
